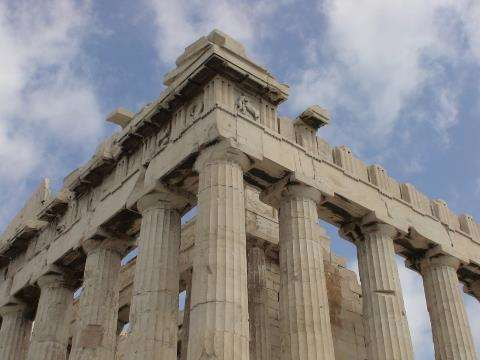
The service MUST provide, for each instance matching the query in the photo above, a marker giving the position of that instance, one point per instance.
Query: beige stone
(452, 336)
(304, 310)
(50, 331)
(153, 314)
(219, 303)
(97, 326)
(260, 343)
(15, 332)
(387, 332)
(186, 316)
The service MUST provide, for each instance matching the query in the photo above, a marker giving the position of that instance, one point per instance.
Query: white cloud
(46, 100)
(471, 18)
(181, 22)
(383, 54)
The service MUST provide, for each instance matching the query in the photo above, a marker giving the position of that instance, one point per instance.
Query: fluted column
(186, 316)
(452, 337)
(50, 331)
(260, 345)
(154, 308)
(219, 304)
(14, 333)
(304, 313)
(98, 309)
(387, 332)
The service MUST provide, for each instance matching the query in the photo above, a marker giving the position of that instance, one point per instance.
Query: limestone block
(417, 199)
(268, 115)
(29, 273)
(441, 211)
(344, 158)
(121, 117)
(286, 128)
(324, 150)
(468, 225)
(254, 205)
(305, 136)
(379, 177)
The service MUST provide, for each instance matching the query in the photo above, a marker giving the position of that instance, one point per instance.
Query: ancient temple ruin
(254, 265)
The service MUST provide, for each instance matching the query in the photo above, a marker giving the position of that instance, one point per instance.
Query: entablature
(218, 94)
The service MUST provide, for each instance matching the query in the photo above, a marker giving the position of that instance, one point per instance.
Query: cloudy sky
(400, 77)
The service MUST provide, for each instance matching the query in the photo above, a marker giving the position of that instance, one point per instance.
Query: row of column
(218, 303)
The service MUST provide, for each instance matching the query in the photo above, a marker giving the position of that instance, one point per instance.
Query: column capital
(380, 229)
(162, 199)
(355, 231)
(101, 237)
(435, 258)
(295, 185)
(222, 151)
(118, 246)
(13, 308)
(53, 281)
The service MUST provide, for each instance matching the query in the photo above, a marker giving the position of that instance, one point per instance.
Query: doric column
(387, 332)
(452, 336)
(260, 345)
(186, 315)
(154, 309)
(98, 309)
(304, 313)
(50, 330)
(14, 333)
(219, 304)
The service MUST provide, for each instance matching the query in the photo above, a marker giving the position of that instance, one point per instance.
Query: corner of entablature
(100, 237)
(5, 297)
(160, 194)
(146, 193)
(351, 232)
(371, 223)
(417, 239)
(441, 256)
(296, 185)
(54, 275)
(13, 305)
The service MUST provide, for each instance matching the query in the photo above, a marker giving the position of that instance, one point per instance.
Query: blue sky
(401, 79)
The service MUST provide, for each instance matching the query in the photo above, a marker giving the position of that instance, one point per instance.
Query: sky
(400, 78)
